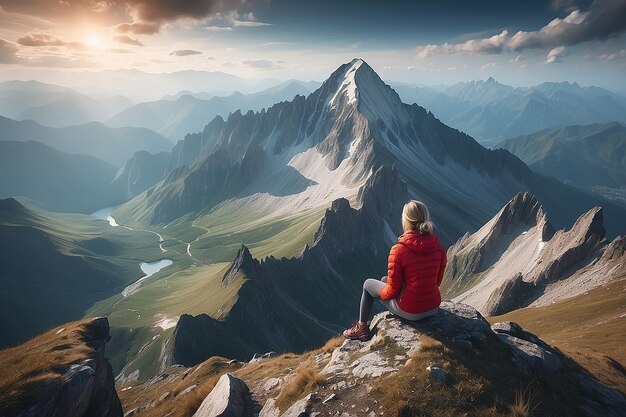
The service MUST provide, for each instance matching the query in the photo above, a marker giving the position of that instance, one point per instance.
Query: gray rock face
(229, 398)
(89, 386)
(355, 366)
(516, 257)
(141, 172)
(505, 297)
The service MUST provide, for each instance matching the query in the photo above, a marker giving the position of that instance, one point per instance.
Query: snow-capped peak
(357, 84)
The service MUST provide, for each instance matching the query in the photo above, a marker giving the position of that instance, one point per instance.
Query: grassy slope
(45, 358)
(590, 328)
(193, 285)
(55, 266)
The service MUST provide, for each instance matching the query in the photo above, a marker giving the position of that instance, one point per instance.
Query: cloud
(40, 39)
(127, 40)
(556, 54)
(232, 19)
(8, 52)
(128, 16)
(184, 52)
(603, 19)
(488, 65)
(119, 51)
(138, 28)
(150, 15)
(258, 63)
(613, 56)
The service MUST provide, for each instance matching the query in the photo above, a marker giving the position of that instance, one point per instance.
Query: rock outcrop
(517, 258)
(84, 388)
(229, 398)
(451, 349)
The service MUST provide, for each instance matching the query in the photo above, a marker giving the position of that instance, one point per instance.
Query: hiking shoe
(358, 331)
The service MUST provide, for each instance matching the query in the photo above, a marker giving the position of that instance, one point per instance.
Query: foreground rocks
(86, 387)
(351, 372)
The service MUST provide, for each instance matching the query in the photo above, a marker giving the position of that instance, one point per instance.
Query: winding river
(148, 268)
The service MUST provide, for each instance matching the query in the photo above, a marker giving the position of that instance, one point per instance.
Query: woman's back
(417, 262)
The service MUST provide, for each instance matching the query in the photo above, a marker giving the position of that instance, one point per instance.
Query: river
(148, 268)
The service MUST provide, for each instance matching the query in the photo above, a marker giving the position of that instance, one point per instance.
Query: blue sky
(424, 42)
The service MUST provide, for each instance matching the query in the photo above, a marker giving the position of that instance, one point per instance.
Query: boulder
(229, 398)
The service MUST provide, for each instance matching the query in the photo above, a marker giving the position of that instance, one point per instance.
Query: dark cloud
(185, 52)
(603, 19)
(127, 40)
(40, 39)
(258, 63)
(140, 16)
(8, 52)
(167, 10)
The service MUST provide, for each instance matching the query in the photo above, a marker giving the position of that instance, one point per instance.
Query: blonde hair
(415, 216)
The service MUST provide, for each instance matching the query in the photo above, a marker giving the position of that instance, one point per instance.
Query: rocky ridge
(448, 350)
(518, 259)
(81, 388)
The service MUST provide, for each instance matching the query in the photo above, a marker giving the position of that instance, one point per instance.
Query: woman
(415, 270)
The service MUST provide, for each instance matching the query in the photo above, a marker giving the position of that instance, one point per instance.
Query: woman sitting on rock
(415, 270)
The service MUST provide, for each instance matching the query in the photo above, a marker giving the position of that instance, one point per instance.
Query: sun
(93, 40)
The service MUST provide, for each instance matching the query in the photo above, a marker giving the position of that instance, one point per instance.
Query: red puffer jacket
(416, 265)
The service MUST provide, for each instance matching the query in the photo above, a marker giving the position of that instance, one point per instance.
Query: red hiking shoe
(358, 331)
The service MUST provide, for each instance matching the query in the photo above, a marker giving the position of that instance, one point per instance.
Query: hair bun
(426, 228)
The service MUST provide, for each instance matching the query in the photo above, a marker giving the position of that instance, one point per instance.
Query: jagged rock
(517, 258)
(505, 297)
(272, 383)
(300, 408)
(530, 353)
(229, 398)
(87, 387)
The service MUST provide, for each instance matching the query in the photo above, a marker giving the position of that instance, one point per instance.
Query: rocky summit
(455, 360)
(62, 373)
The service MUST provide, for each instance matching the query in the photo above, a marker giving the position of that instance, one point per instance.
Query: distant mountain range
(55, 106)
(56, 180)
(491, 112)
(142, 86)
(354, 122)
(174, 117)
(113, 145)
(591, 156)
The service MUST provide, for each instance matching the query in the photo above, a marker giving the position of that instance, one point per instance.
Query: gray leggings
(371, 289)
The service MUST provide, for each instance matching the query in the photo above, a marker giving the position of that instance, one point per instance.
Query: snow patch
(165, 322)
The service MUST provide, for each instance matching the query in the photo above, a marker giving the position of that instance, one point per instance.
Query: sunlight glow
(93, 40)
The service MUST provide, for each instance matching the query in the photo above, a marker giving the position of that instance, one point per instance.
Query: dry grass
(44, 358)
(174, 381)
(590, 328)
(523, 404)
(306, 378)
(410, 392)
(332, 344)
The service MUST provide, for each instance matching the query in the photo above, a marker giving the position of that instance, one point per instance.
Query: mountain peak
(357, 84)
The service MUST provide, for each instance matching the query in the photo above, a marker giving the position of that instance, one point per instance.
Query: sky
(419, 42)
